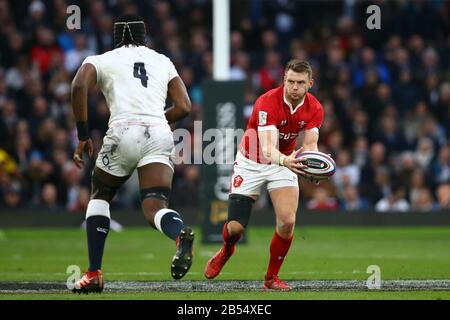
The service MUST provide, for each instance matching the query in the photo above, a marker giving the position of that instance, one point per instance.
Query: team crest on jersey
(301, 124)
(237, 181)
(283, 122)
(262, 118)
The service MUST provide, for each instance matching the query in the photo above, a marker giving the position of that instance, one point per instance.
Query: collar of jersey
(290, 104)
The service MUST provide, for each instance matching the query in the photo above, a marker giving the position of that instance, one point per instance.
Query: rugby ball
(320, 165)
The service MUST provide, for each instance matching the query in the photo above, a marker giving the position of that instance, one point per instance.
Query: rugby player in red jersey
(267, 156)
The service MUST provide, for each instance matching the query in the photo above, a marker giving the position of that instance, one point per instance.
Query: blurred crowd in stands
(386, 94)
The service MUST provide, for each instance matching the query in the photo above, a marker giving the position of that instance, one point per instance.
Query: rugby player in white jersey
(135, 81)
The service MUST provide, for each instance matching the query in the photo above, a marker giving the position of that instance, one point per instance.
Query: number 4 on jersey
(140, 73)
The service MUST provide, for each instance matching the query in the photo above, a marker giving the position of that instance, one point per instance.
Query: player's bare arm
(181, 103)
(85, 79)
(268, 140)
(310, 140)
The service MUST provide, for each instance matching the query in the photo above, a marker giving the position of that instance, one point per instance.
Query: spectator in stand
(102, 38)
(49, 198)
(405, 92)
(440, 168)
(424, 201)
(416, 184)
(414, 119)
(424, 153)
(431, 129)
(72, 178)
(347, 173)
(376, 159)
(321, 201)
(406, 167)
(75, 56)
(368, 64)
(335, 142)
(395, 201)
(432, 92)
(442, 109)
(391, 136)
(443, 196)
(45, 49)
(81, 202)
(352, 201)
(271, 74)
(382, 186)
(12, 196)
(361, 151)
(269, 42)
(240, 68)
(237, 44)
(360, 123)
(8, 122)
(36, 11)
(430, 62)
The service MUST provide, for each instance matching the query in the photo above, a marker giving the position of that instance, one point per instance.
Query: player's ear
(311, 83)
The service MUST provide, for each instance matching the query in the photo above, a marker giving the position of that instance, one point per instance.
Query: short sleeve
(265, 115)
(316, 120)
(95, 61)
(172, 71)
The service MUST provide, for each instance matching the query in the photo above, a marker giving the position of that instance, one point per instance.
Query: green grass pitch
(317, 253)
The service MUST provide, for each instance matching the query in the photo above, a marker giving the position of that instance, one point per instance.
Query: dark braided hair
(129, 29)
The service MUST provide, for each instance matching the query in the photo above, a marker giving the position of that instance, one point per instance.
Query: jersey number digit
(140, 73)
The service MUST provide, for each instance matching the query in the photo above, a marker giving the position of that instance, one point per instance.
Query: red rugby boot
(274, 283)
(216, 263)
(90, 282)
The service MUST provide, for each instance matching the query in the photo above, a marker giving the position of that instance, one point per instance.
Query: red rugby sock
(279, 248)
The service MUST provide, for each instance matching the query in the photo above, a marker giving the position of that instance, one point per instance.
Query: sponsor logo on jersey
(287, 136)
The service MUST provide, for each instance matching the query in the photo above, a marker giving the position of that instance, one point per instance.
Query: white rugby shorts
(249, 177)
(129, 145)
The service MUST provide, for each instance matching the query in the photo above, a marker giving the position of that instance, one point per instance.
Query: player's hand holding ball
(311, 165)
(293, 162)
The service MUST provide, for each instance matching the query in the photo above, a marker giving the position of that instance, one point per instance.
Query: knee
(235, 228)
(286, 225)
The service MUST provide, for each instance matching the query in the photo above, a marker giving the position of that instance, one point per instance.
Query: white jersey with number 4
(134, 81)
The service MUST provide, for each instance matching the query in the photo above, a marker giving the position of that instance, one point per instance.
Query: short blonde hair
(300, 66)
